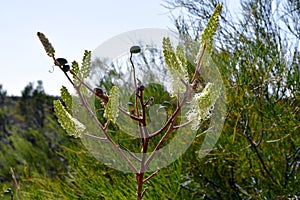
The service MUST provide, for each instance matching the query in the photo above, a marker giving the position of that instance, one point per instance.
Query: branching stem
(168, 127)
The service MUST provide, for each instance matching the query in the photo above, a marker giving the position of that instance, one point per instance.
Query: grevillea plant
(185, 91)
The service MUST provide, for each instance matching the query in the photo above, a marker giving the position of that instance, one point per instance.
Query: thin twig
(143, 193)
(129, 115)
(183, 125)
(15, 180)
(199, 64)
(129, 152)
(149, 177)
(135, 85)
(254, 148)
(106, 124)
(94, 137)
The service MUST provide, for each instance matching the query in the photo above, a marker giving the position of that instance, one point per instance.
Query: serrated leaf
(67, 98)
(111, 111)
(71, 125)
(86, 64)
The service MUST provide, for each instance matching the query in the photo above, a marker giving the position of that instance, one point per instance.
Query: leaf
(71, 125)
(46, 44)
(67, 98)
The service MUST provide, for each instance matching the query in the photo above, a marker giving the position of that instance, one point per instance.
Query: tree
(2, 94)
(32, 104)
(3, 116)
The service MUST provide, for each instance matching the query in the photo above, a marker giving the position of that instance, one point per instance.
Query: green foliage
(28, 149)
(2, 95)
(91, 179)
(255, 155)
(3, 122)
(32, 104)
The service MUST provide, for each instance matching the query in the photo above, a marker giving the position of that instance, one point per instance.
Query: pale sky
(72, 27)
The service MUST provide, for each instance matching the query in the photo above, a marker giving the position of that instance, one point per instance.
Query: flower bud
(46, 44)
(61, 61)
(135, 49)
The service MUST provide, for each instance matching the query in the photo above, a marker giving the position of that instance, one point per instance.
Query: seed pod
(66, 68)
(99, 93)
(141, 87)
(61, 61)
(135, 49)
(149, 102)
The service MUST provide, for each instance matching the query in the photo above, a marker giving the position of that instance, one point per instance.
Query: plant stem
(141, 119)
(139, 178)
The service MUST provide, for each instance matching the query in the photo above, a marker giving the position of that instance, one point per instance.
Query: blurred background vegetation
(256, 157)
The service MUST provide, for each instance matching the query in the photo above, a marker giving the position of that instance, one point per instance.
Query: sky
(72, 27)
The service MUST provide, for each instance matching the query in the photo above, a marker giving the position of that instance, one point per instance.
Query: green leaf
(46, 44)
(112, 108)
(71, 125)
(211, 28)
(67, 98)
(86, 64)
